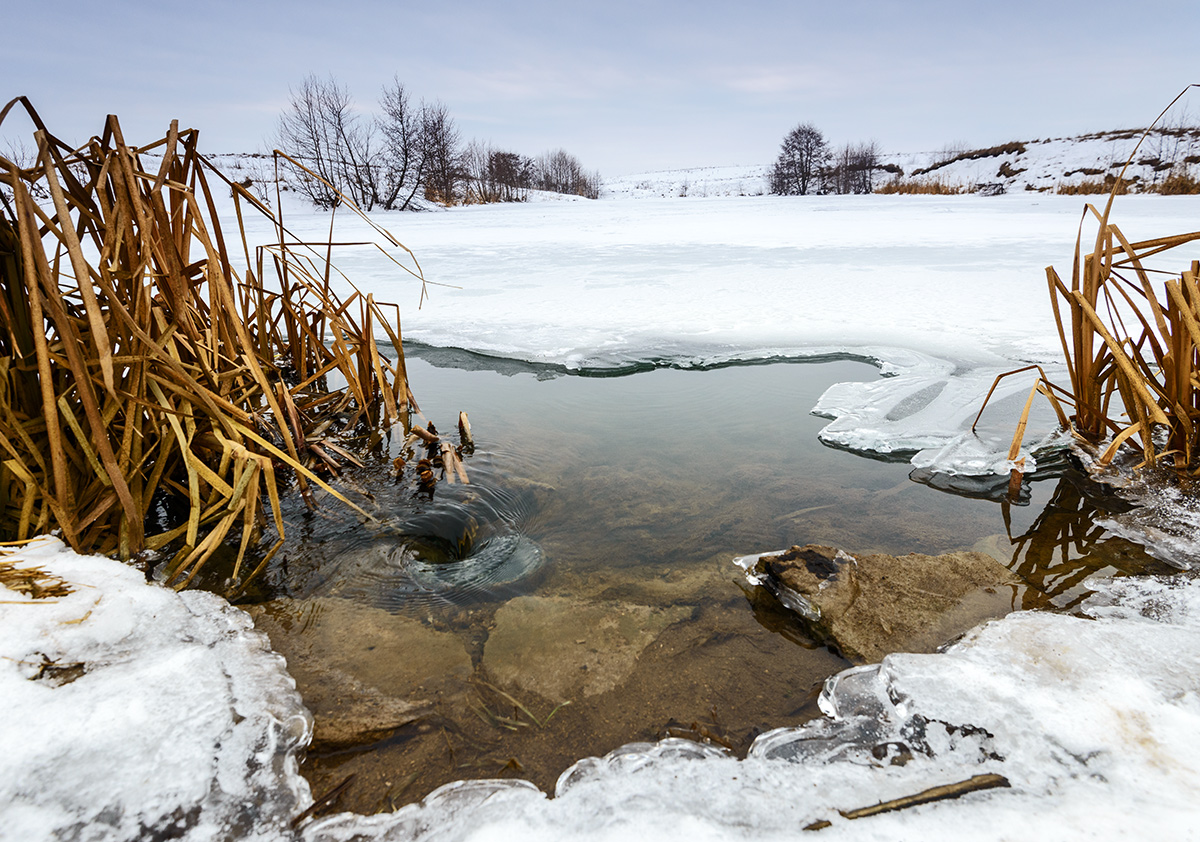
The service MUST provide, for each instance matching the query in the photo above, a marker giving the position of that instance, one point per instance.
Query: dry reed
(34, 582)
(139, 363)
(922, 186)
(1124, 336)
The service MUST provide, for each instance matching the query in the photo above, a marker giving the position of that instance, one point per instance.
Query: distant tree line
(807, 164)
(408, 150)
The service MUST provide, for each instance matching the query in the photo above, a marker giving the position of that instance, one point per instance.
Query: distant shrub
(1180, 182)
(926, 186)
(1008, 171)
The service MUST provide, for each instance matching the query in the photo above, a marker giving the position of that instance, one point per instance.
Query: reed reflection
(1065, 545)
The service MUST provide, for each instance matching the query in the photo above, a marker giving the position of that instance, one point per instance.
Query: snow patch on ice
(132, 711)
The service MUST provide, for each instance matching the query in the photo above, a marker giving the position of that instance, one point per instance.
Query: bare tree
(402, 153)
(802, 157)
(321, 129)
(477, 187)
(493, 175)
(852, 169)
(560, 172)
(512, 174)
(441, 149)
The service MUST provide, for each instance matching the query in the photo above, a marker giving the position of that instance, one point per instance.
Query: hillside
(1060, 164)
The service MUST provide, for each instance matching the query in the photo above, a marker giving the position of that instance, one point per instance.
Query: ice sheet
(943, 292)
(182, 724)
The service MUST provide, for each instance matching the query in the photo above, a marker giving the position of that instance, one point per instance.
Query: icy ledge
(924, 411)
(1094, 722)
(134, 712)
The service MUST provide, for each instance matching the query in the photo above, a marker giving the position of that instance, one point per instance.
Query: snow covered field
(1095, 723)
(944, 292)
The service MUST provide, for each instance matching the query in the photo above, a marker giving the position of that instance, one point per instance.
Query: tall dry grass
(932, 186)
(147, 356)
(1129, 325)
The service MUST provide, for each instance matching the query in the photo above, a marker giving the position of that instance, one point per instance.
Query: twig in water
(324, 801)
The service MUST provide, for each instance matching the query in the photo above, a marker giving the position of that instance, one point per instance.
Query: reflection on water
(598, 531)
(1064, 546)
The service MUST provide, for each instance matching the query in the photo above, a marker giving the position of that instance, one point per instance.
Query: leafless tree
(852, 169)
(560, 172)
(322, 130)
(493, 175)
(402, 162)
(803, 156)
(442, 153)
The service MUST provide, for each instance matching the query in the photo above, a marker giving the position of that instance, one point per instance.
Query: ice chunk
(631, 757)
(131, 711)
(926, 411)
(449, 812)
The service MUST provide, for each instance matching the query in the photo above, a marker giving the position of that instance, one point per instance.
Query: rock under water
(872, 605)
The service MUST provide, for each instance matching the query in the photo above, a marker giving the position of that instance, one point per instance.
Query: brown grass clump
(139, 363)
(922, 186)
(1093, 186)
(33, 581)
(1179, 182)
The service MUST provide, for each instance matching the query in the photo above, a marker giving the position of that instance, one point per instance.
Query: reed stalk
(139, 362)
(1130, 334)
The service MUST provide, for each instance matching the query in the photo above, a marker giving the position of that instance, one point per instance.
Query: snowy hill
(1062, 164)
(1047, 165)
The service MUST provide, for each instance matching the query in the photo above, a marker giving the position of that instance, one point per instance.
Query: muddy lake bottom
(628, 621)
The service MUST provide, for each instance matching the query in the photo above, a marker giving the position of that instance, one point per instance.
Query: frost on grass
(134, 712)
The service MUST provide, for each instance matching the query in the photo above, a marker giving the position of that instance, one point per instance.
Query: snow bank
(131, 711)
(1094, 723)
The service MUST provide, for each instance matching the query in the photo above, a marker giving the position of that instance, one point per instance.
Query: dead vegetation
(1094, 186)
(149, 361)
(1130, 334)
(923, 186)
(1015, 147)
(33, 581)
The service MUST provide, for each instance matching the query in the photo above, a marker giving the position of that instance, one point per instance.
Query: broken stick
(938, 793)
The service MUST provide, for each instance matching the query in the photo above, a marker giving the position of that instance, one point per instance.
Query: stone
(564, 649)
(361, 671)
(870, 606)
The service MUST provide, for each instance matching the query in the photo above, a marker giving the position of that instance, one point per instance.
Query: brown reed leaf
(137, 360)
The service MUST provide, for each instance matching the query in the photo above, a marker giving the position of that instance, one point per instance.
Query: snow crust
(183, 723)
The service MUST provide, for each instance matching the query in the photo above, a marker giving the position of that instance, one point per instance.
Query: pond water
(607, 512)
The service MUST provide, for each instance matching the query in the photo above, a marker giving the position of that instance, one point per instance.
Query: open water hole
(628, 621)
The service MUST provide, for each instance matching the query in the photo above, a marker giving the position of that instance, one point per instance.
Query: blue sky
(627, 87)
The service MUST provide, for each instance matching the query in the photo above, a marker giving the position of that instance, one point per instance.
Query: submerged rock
(874, 605)
(564, 649)
(362, 671)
